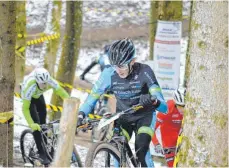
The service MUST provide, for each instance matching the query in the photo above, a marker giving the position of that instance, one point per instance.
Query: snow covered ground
(97, 13)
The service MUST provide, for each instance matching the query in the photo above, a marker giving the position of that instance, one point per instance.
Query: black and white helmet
(121, 52)
(179, 95)
(41, 75)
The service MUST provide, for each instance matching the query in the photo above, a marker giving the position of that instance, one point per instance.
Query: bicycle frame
(121, 143)
(50, 134)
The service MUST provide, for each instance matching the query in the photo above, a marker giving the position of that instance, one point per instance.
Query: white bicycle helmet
(179, 95)
(41, 75)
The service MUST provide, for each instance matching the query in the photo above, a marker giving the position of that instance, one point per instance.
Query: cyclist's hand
(35, 127)
(81, 117)
(145, 100)
(148, 100)
(158, 149)
(82, 77)
(155, 101)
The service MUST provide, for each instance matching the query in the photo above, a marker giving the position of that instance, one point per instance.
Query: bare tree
(21, 41)
(70, 46)
(205, 141)
(52, 46)
(153, 26)
(7, 77)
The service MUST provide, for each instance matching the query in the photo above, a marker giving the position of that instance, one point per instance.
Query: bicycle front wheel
(102, 155)
(28, 147)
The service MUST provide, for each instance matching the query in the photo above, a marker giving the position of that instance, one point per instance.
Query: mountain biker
(131, 83)
(168, 126)
(102, 60)
(34, 107)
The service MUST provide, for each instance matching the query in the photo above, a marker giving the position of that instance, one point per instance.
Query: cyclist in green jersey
(34, 106)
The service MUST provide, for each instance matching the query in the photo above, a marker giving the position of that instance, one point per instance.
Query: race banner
(167, 50)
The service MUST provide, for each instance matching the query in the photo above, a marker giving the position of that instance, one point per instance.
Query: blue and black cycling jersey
(128, 90)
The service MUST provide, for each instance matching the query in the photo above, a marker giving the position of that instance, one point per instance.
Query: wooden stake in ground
(67, 133)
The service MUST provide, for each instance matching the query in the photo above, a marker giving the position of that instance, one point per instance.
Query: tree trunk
(205, 141)
(7, 76)
(71, 47)
(53, 45)
(170, 10)
(153, 26)
(21, 41)
(162, 10)
(67, 133)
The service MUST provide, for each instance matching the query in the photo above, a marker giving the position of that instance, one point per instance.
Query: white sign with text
(167, 50)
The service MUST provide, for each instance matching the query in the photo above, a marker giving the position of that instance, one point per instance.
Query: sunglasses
(121, 67)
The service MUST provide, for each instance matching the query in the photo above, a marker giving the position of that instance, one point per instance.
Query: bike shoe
(44, 160)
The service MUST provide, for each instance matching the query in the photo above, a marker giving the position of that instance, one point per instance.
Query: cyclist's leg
(37, 134)
(143, 138)
(169, 139)
(41, 108)
(35, 117)
(42, 112)
(126, 130)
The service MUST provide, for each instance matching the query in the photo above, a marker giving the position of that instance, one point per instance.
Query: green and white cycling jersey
(30, 89)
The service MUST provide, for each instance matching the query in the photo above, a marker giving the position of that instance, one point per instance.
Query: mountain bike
(100, 109)
(49, 134)
(91, 123)
(116, 152)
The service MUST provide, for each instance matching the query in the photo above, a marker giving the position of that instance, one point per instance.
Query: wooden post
(67, 133)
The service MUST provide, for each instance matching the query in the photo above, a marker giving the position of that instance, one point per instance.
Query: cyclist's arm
(60, 91)
(26, 100)
(155, 89)
(89, 67)
(98, 89)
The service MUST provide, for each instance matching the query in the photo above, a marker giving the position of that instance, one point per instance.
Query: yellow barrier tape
(37, 41)
(54, 108)
(48, 106)
(94, 116)
(66, 85)
(6, 116)
(42, 39)
(19, 35)
(178, 145)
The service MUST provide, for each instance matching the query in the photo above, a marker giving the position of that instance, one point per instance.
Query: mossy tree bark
(52, 46)
(170, 10)
(205, 141)
(70, 47)
(21, 41)
(7, 77)
(162, 10)
(153, 26)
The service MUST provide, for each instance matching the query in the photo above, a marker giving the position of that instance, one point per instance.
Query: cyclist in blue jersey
(131, 83)
(102, 60)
